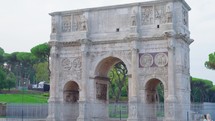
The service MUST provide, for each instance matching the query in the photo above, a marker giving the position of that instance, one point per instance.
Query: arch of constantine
(151, 38)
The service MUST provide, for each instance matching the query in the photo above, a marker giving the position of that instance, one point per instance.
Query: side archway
(70, 99)
(154, 98)
(71, 92)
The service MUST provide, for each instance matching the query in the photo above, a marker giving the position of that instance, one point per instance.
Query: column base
(82, 119)
(50, 118)
(132, 119)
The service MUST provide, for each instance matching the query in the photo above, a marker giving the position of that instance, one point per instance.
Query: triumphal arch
(151, 38)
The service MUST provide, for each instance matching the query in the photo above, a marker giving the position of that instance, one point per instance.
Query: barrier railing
(116, 111)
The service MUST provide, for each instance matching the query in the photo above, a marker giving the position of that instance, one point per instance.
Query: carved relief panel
(101, 91)
(159, 14)
(72, 68)
(161, 59)
(168, 15)
(147, 15)
(185, 16)
(182, 59)
(133, 109)
(66, 23)
(79, 23)
(54, 25)
(133, 17)
(146, 60)
(153, 65)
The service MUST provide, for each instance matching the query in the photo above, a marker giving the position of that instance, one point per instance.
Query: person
(208, 116)
(204, 118)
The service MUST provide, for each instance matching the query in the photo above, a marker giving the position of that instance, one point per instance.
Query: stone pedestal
(133, 109)
(83, 110)
(52, 112)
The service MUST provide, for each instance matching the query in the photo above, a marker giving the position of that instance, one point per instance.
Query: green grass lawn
(23, 98)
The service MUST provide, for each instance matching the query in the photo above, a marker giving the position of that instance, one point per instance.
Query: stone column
(133, 88)
(134, 73)
(170, 109)
(83, 111)
(54, 78)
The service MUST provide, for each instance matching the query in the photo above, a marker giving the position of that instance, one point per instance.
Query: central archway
(102, 85)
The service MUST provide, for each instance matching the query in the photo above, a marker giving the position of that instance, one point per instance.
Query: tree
(160, 92)
(2, 78)
(10, 81)
(42, 51)
(26, 72)
(200, 89)
(212, 94)
(1, 55)
(118, 81)
(210, 64)
(42, 73)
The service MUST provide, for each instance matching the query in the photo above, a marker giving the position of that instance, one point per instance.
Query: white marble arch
(147, 36)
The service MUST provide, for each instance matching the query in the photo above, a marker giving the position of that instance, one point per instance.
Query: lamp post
(22, 98)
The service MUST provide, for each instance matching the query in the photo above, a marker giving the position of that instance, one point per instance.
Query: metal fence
(26, 111)
(198, 110)
(117, 111)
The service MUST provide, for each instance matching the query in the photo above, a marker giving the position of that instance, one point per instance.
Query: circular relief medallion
(146, 60)
(66, 63)
(161, 59)
(77, 63)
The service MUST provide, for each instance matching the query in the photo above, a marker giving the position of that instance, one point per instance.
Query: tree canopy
(210, 64)
(23, 68)
(202, 90)
(2, 78)
(42, 73)
(1, 55)
(118, 81)
(41, 51)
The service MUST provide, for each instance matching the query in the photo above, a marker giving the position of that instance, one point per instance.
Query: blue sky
(26, 23)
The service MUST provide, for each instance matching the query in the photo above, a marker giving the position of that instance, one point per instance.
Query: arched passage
(71, 92)
(102, 84)
(70, 98)
(154, 93)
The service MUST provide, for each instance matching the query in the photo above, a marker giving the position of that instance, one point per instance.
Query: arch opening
(111, 84)
(70, 98)
(154, 90)
(71, 92)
